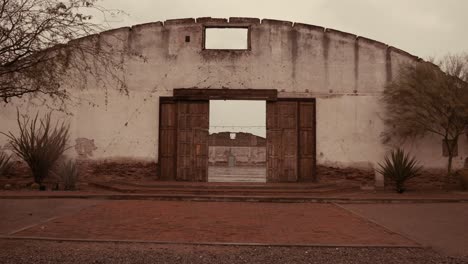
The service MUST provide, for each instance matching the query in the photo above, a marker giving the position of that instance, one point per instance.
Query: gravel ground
(18, 251)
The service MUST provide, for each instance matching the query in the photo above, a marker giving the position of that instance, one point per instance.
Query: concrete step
(185, 190)
(306, 186)
(333, 198)
(236, 174)
(237, 178)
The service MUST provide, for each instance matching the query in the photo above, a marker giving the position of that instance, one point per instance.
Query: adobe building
(322, 89)
(236, 149)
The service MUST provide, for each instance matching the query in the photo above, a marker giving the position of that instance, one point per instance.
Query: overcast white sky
(422, 27)
(425, 28)
(238, 116)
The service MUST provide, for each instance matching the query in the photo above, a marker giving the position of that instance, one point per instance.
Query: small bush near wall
(5, 164)
(68, 173)
(463, 175)
(39, 143)
(398, 167)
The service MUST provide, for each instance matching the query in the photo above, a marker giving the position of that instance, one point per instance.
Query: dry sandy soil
(74, 252)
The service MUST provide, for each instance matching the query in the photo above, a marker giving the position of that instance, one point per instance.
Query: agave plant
(399, 167)
(5, 163)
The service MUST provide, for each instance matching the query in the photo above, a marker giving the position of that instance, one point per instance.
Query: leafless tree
(36, 51)
(429, 97)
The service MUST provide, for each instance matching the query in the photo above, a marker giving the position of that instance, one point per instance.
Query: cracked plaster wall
(345, 73)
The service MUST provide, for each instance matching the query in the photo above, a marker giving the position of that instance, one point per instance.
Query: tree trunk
(449, 170)
(449, 163)
(450, 149)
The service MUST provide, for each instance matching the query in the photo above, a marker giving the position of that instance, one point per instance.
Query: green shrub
(68, 173)
(5, 164)
(39, 143)
(399, 167)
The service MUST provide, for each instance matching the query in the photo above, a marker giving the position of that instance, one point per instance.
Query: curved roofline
(233, 21)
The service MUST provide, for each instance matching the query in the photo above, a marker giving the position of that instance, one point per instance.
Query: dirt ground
(274, 223)
(42, 252)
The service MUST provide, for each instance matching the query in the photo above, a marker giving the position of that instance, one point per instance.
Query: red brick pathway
(276, 223)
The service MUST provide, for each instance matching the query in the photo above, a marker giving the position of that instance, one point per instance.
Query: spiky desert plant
(5, 163)
(399, 167)
(68, 173)
(39, 143)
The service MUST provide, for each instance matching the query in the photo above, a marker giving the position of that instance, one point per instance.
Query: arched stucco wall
(345, 73)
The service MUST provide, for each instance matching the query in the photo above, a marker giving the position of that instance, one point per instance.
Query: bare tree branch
(429, 97)
(33, 57)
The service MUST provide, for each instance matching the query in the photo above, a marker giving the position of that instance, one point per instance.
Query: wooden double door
(184, 130)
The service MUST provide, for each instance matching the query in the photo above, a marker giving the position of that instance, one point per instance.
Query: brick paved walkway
(275, 223)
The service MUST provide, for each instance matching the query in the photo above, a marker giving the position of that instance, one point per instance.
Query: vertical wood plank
(282, 131)
(307, 142)
(192, 140)
(167, 141)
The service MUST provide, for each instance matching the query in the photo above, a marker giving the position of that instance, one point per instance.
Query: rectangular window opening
(226, 38)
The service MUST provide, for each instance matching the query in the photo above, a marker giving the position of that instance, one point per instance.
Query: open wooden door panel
(282, 141)
(192, 140)
(167, 140)
(307, 141)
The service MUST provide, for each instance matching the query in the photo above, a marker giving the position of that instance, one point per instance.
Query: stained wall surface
(345, 73)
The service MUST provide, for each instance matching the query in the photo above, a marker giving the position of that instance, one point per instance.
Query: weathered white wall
(348, 131)
(345, 73)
